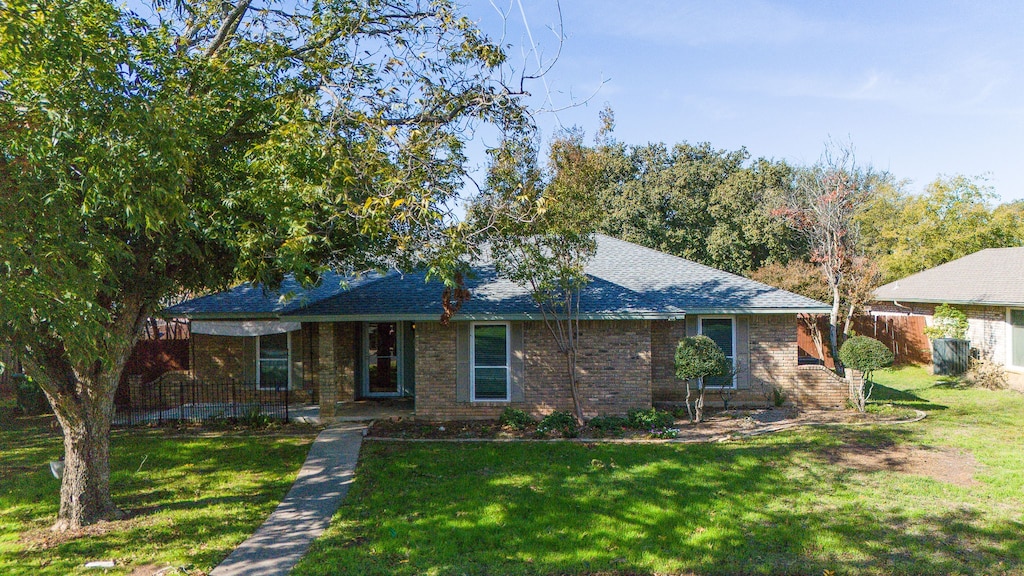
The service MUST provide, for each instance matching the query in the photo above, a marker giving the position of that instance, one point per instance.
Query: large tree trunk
(82, 397)
(85, 490)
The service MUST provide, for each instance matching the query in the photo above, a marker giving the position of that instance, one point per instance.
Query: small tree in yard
(822, 206)
(540, 225)
(947, 322)
(867, 355)
(698, 357)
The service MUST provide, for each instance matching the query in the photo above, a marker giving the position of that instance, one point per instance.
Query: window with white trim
(722, 331)
(489, 362)
(272, 355)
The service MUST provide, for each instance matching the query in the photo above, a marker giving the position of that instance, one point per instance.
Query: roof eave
(948, 301)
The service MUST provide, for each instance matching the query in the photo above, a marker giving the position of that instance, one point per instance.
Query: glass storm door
(381, 373)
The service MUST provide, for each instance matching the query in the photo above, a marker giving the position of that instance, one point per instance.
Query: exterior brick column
(327, 369)
(346, 345)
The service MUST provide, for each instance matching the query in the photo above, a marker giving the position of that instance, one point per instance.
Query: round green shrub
(563, 422)
(515, 418)
(650, 419)
(865, 354)
(699, 356)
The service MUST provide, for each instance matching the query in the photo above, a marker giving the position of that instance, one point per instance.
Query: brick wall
(773, 362)
(218, 358)
(665, 336)
(614, 372)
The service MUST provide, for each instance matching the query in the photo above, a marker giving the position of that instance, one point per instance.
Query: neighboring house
(379, 336)
(987, 286)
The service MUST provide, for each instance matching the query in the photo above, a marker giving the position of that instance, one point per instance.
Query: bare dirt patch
(942, 464)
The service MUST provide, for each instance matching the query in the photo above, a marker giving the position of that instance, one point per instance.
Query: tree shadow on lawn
(775, 506)
(189, 501)
(883, 393)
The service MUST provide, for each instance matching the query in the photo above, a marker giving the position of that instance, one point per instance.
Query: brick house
(379, 336)
(987, 286)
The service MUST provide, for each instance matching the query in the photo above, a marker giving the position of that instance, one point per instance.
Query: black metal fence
(196, 401)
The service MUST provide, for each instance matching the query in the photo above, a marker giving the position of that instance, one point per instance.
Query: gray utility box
(950, 356)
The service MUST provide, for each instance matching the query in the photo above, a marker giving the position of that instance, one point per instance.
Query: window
(489, 370)
(272, 352)
(1017, 338)
(722, 330)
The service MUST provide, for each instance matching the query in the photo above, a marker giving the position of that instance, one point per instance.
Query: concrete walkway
(305, 512)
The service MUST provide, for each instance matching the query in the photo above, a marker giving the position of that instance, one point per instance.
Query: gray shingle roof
(246, 300)
(626, 281)
(991, 276)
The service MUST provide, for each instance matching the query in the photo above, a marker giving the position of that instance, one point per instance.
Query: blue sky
(920, 88)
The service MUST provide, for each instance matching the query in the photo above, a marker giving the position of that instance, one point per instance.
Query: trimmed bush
(608, 423)
(515, 418)
(650, 419)
(562, 422)
(699, 356)
(865, 354)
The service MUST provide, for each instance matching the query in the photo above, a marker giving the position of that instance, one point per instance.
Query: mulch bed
(717, 426)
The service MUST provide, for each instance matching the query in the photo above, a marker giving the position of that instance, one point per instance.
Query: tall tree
(953, 217)
(216, 141)
(822, 206)
(541, 224)
(697, 202)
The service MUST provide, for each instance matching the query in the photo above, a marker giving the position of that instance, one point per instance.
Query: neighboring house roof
(994, 276)
(626, 281)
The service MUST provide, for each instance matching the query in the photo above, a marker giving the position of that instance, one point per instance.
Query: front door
(381, 350)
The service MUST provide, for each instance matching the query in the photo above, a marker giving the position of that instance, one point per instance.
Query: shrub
(563, 422)
(608, 423)
(778, 397)
(515, 418)
(650, 419)
(865, 354)
(29, 396)
(255, 418)
(947, 322)
(699, 356)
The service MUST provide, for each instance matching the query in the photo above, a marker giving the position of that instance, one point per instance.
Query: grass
(191, 498)
(782, 504)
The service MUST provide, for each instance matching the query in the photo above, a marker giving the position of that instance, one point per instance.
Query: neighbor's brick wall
(614, 372)
(986, 330)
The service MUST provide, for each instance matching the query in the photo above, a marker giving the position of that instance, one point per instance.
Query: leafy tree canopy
(692, 200)
(210, 142)
(954, 217)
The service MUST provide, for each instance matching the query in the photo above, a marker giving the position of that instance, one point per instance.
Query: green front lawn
(191, 498)
(942, 496)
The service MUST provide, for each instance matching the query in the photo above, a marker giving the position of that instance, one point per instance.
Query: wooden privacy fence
(904, 335)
